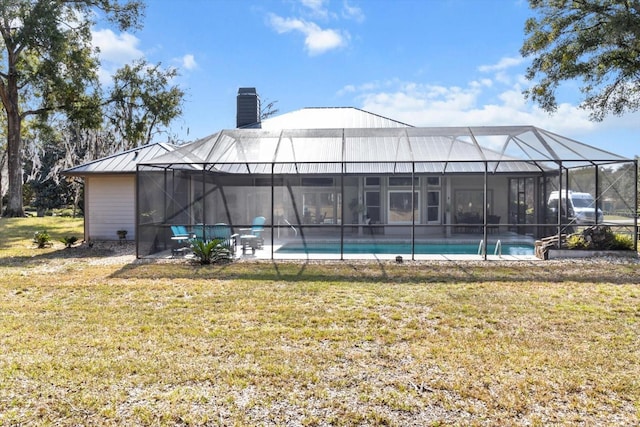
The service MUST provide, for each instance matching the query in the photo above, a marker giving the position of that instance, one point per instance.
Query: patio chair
(198, 232)
(180, 238)
(223, 232)
(253, 238)
(180, 232)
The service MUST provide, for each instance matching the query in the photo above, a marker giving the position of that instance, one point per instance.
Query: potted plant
(122, 234)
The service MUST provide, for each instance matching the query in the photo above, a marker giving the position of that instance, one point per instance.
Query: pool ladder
(481, 248)
(497, 251)
(295, 230)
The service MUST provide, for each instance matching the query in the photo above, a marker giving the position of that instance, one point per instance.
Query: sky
(422, 62)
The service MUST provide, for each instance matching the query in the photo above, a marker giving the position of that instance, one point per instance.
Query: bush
(65, 212)
(599, 237)
(69, 241)
(212, 251)
(42, 239)
(577, 241)
(623, 242)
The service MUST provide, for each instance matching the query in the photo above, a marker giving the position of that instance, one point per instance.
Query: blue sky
(423, 62)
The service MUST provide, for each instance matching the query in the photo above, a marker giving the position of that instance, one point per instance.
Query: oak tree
(48, 64)
(595, 42)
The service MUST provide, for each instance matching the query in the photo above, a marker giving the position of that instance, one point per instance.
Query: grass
(85, 342)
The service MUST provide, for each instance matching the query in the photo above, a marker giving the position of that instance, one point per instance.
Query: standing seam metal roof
(124, 162)
(453, 149)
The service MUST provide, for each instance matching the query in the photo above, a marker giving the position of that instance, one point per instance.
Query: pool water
(402, 248)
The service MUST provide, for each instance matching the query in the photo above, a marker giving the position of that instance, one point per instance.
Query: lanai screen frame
(526, 151)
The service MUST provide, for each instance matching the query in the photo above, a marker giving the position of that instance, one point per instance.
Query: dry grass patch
(319, 344)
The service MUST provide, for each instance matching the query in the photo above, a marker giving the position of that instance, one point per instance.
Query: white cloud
(316, 8)
(115, 51)
(117, 48)
(422, 104)
(481, 102)
(352, 12)
(503, 64)
(346, 89)
(189, 62)
(317, 40)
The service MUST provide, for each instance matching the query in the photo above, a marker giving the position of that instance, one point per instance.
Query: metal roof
(329, 118)
(382, 150)
(124, 162)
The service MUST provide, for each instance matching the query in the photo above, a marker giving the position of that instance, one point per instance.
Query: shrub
(42, 239)
(577, 241)
(69, 241)
(623, 242)
(65, 212)
(212, 251)
(599, 237)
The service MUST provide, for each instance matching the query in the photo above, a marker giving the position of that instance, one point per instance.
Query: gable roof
(124, 162)
(329, 118)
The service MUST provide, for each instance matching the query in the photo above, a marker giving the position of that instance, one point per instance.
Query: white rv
(582, 206)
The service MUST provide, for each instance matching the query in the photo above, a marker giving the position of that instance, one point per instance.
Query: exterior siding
(110, 206)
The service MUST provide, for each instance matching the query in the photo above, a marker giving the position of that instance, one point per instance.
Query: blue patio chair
(180, 237)
(198, 232)
(253, 238)
(180, 232)
(223, 232)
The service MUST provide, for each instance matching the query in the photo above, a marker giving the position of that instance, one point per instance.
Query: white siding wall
(109, 206)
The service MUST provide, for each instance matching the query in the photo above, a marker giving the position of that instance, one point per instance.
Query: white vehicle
(582, 206)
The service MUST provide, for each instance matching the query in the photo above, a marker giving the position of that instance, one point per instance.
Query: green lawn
(86, 340)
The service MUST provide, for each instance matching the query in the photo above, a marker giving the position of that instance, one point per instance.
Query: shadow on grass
(390, 272)
(37, 256)
(14, 231)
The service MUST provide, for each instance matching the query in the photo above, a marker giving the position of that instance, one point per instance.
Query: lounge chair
(253, 237)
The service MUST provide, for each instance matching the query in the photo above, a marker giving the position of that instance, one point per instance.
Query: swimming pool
(403, 248)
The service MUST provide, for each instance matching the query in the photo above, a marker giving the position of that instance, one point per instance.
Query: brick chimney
(248, 112)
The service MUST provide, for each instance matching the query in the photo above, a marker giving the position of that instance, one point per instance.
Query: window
(433, 206)
(471, 201)
(433, 181)
(403, 181)
(372, 206)
(317, 182)
(400, 207)
(266, 182)
(372, 181)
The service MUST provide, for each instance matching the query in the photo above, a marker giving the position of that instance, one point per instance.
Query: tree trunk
(14, 158)
(14, 167)
(2, 184)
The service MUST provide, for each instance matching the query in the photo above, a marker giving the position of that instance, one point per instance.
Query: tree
(44, 155)
(268, 110)
(595, 41)
(49, 65)
(142, 102)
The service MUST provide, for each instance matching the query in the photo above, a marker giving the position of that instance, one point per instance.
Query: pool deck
(266, 252)
(270, 252)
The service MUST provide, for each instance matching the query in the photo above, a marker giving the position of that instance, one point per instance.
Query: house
(343, 176)
(109, 191)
